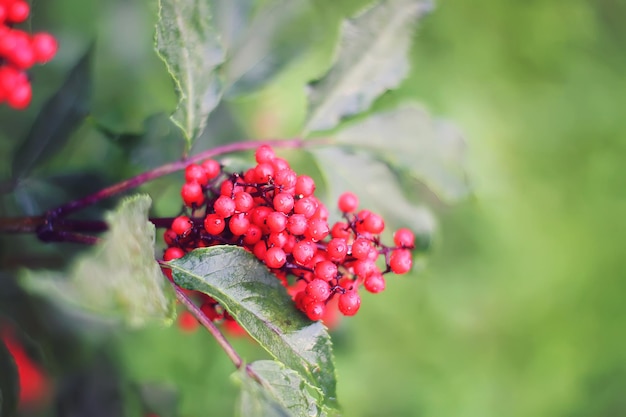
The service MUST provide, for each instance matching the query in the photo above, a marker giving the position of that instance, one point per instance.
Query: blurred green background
(521, 310)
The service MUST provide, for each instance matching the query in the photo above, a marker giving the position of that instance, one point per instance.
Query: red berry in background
(192, 194)
(315, 310)
(181, 225)
(195, 173)
(400, 261)
(340, 230)
(19, 98)
(348, 202)
(169, 236)
(349, 303)
(404, 238)
(44, 46)
(18, 11)
(187, 322)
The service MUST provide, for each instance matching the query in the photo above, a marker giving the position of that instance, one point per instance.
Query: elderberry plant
(257, 248)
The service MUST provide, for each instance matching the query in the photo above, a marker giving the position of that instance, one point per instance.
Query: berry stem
(172, 167)
(212, 328)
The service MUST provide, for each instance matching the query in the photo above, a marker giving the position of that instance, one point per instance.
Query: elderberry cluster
(272, 212)
(19, 51)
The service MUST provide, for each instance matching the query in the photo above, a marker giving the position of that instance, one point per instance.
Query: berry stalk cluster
(19, 51)
(272, 212)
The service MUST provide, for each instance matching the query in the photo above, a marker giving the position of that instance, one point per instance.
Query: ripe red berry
(252, 235)
(349, 303)
(306, 206)
(304, 251)
(45, 46)
(314, 309)
(169, 236)
(182, 225)
(337, 249)
(195, 173)
(340, 230)
(19, 98)
(285, 178)
(260, 249)
(325, 270)
(305, 186)
(400, 261)
(375, 283)
(404, 238)
(364, 268)
(211, 168)
(361, 248)
(173, 253)
(275, 257)
(239, 224)
(348, 202)
(318, 290)
(317, 230)
(297, 224)
(264, 154)
(18, 11)
(277, 239)
(224, 206)
(243, 201)
(263, 172)
(187, 322)
(276, 222)
(214, 224)
(283, 202)
(374, 224)
(192, 194)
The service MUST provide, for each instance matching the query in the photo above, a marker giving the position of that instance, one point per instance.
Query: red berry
(314, 310)
(239, 224)
(318, 229)
(337, 249)
(305, 186)
(306, 206)
(243, 201)
(404, 238)
(20, 97)
(348, 202)
(259, 250)
(214, 224)
(285, 178)
(182, 225)
(340, 230)
(45, 46)
(277, 239)
(195, 173)
(276, 222)
(283, 202)
(374, 224)
(318, 290)
(18, 11)
(211, 168)
(400, 261)
(192, 194)
(209, 310)
(275, 257)
(349, 303)
(326, 270)
(187, 322)
(173, 253)
(263, 172)
(297, 224)
(252, 235)
(364, 268)
(224, 206)
(169, 236)
(375, 283)
(264, 154)
(361, 248)
(304, 251)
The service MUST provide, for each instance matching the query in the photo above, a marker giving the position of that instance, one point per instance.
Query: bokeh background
(520, 311)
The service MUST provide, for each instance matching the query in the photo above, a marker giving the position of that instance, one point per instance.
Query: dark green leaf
(9, 382)
(372, 58)
(413, 143)
(275, 384)
(189, 45)
(58, 118)
(119, 277)
(261, 305)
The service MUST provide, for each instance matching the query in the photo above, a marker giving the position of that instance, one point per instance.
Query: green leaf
(261, 305)
(189, 45)
(278, 391)
(413, 143)
(9, 382)
(119, 277)
(58, 118)
(377, 186)
(371, 59)
(264, 43)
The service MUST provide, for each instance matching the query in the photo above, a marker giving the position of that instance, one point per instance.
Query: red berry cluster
(19, 51)
(272, 212)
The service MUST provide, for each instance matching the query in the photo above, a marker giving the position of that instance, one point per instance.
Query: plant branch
(171, 168)
(215, 332)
